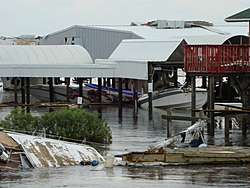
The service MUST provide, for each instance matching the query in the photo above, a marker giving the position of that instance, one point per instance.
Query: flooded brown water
(135, 134)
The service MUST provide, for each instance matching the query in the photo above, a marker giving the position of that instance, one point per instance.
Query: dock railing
(217, 58)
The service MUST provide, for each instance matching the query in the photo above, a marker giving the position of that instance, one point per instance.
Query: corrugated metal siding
(58, 37)
(100, 43)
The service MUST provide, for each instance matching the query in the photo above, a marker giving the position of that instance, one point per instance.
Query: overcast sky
(41, 17)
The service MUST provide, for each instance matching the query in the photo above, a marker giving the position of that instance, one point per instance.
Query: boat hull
(175, 98)
(41, 92)
(9, 82)
(113, 93)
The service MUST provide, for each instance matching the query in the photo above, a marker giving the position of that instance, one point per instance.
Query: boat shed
(101, 40)
(49, 61)
(139, 53)
(165, 52)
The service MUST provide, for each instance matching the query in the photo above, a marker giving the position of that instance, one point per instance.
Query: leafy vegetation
(74, 123)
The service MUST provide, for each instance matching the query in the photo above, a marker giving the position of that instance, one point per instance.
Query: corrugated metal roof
(152, 33)
(50, 61)
(59, 54)
(49, 152)
(150, 50)
(206, 39)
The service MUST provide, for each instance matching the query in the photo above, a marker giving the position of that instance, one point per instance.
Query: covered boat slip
(61, 61)
(50, 61)
(133, 59)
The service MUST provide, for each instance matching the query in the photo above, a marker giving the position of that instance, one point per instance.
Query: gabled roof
(149, 50)
(239, 17)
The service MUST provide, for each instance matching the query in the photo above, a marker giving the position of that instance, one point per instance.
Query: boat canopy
(49, 61)
(47, 54)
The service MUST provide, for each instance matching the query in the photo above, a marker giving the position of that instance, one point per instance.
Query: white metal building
(101, 41)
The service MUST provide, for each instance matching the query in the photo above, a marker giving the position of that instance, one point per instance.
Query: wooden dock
(193, 155)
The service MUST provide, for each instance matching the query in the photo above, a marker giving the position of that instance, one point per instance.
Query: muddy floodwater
(135, 134)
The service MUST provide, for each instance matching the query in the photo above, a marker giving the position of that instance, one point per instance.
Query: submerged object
(26, 151)
(94, 162)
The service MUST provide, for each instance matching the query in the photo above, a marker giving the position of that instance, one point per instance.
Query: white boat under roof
(174, 98)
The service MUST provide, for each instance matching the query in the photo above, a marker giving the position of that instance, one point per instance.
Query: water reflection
(212, 175)
(137, 133)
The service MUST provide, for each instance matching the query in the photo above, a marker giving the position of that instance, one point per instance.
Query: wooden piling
(80, 81)
(27, 94)
(120, 97)
(15, 90)
(193, 96)
(67, 81)
(22, 90)
(150, 91)
(99, 90)
(51, 90)
(227, 124)
(211, 105)
(169, 123)
(135, 96)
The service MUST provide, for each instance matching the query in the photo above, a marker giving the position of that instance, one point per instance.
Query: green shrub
(19, 120)
(72, 123)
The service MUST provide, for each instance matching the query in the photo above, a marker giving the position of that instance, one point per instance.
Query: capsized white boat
(43, 152)
(178, 98)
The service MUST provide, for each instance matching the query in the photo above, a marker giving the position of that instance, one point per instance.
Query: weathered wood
(209, 155)
(169, 123)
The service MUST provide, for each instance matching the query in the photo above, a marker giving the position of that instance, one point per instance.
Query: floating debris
(21, 151)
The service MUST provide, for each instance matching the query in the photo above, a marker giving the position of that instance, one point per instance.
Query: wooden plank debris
(193, 155)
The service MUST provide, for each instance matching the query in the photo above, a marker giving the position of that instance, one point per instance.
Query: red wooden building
(216, 61)
(217, 58)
